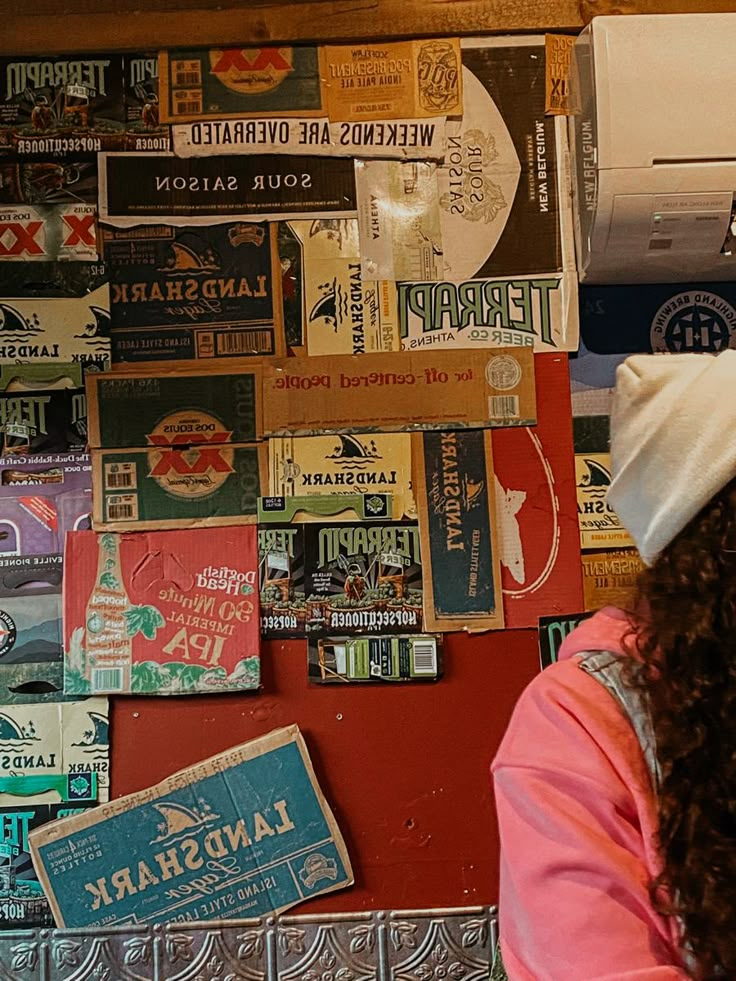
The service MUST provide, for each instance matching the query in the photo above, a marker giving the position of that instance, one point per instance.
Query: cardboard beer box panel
(399, 391)
(42, 742)
(242, 834)
(337, 507)
(143, 127)
(457, 520)
(40, 377)
(537, 505)
(659, 318)
(150, 188)
(507, 272)
(48, 182)
(22, 901)
(364, 578)
(281, 574)
(61, 105)
(610, 578)
(38, 422)
(51, 280)
(168, 486)
(388, 658)
(37, 330)
(343, 464)
(600, 527)
(409, 79)
(292, 288)
(183, 293)
(227, 83)
(41, 498)
(341, 312)
(160, 406)
(30, 612)
(552, 632)
(44, 233)
(168, 613)
(404, 139)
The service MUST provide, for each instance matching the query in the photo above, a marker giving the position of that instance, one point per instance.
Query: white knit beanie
(672, 442)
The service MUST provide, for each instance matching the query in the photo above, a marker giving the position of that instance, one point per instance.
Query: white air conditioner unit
(654, 146)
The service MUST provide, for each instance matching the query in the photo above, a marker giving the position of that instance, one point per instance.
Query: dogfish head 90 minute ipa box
(162, 612)
(245, 833)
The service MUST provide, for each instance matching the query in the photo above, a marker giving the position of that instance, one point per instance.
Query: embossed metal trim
(389, 945)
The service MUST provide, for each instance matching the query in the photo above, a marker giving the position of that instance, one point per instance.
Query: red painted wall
(404, 767)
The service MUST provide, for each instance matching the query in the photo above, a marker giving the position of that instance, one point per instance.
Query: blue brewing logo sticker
(693, 320)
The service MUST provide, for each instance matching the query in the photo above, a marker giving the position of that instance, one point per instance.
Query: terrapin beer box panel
(176, 447)
(182, 293)
(341, 312)
(148, 188)
(165, 613)
(62, 105)
(458, 530)
(36, 423)
(228, 83)
(399, 391)
(22, 902)
(389, 81)
(48, 181)
(343, 464)
(283, 599)
(42, 742)
(38, 330)
(363, 578)
(245, 833)
(697, 317)
(537, 507)
(144, 130)
(507, 273)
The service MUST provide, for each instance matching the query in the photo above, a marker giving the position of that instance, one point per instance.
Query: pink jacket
(577, 818)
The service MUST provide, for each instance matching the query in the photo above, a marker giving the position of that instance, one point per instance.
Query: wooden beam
(52, 26)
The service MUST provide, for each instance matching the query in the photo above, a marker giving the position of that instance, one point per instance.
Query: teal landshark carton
(245, 833)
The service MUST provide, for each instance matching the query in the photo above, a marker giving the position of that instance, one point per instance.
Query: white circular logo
(503, 372)
(693, 321)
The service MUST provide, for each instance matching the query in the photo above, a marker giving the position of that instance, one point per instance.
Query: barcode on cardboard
(187, 103)
(107, 680)
(424, 657)
(120, 476)
(245, 342)
(121, 507)
(186, 72)
(503, 406)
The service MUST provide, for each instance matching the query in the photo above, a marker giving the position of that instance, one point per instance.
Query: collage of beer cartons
(289, 348)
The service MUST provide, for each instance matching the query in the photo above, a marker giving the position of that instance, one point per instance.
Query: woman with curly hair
(616, 780)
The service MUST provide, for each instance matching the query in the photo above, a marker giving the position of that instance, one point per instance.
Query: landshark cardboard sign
(536, 505)
(244, 833)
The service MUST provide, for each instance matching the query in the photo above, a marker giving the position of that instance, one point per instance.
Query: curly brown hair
(686, 645)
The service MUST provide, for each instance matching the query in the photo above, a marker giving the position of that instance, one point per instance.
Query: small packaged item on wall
(162, 613)
(255, 814)
(414, 657)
